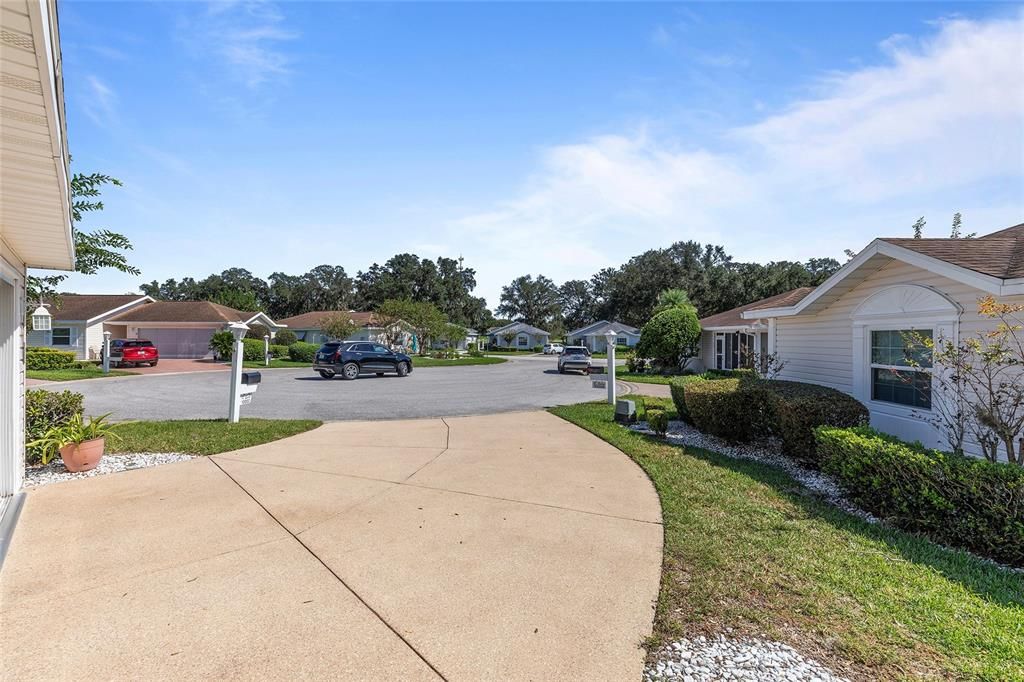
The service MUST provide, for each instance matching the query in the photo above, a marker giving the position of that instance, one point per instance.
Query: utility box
(625, 411)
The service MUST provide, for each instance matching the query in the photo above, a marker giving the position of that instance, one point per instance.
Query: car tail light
(337, 355)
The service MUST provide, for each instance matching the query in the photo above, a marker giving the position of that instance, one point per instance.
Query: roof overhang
(120, 309)
(264, 319)
(876, 255)
(35, 200)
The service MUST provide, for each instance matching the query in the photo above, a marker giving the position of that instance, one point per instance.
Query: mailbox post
(238, 330)
(106, 352)
(266, 350)
(609, 339)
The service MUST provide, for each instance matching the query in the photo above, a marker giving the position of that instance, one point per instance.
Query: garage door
(179, 343)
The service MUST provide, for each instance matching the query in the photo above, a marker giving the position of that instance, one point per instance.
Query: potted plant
(79, 443)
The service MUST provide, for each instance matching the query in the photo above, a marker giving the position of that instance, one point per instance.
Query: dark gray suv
(349, 359)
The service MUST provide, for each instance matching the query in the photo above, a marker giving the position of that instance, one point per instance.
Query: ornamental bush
(955, 500)
(678, 390)
(278, 351)
(284, 337)
(742, 409)
(38, 358)
(43, 411)
(669, 337)
(657, 420)
(252, 350)
(798, 408)
(300, 351)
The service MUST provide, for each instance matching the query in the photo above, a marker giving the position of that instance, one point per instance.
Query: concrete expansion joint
(337, 577)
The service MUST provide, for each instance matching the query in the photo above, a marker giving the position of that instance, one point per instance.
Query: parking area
(175, 366)
(519, 384)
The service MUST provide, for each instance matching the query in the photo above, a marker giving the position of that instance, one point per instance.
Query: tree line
(445, 283)
(712, 280)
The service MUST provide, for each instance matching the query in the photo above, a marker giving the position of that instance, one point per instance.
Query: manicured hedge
(252, 350)
(285, 337)
(278, 351)
(798, 408)
(45, 410)
(677, 388)
(958, 501)
(300, 351)
(744, 409)
(48, 358)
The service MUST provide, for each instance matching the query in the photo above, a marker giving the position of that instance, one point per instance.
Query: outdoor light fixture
(41, 319)
(609, 340)
(238, 330)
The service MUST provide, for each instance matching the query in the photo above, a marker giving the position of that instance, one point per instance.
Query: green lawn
(201, 436)
(747, 547)
(275, 363)
(643, 378)
(510, 352)
(89, 372)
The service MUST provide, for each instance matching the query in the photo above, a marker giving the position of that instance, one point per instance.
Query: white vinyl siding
(55, 338)
(12, 378)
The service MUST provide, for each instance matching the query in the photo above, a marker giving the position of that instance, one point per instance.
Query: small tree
(257, 331)
(670, 337)
(673, 298)
(285, 337)
(222, 343)
(338, 326)
(509, 337)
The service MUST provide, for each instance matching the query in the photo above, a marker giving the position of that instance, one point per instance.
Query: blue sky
(550, 139)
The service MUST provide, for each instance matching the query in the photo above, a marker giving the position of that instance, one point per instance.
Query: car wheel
(153, 364)
(561, 371)
(403, 369)
(326, 374)
(350, 371)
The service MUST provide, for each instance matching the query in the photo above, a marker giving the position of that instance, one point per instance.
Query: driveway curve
(519, 384)
(500, 547)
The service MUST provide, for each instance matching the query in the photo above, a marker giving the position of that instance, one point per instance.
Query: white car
(574, 358)
(552, 348)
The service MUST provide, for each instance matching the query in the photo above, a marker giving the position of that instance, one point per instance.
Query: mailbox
(250, 378)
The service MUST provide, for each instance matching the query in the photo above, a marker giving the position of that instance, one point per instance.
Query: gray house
(523, 336)
(593, 335)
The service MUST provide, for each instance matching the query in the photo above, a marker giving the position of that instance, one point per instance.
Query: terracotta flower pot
(83, 456)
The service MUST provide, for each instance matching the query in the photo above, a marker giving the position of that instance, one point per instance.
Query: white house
(79, 321)
(849, 332)
(35, 210)
(369, 327)
(523, 336)
(593, 335)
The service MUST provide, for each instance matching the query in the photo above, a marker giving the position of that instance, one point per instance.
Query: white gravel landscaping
(681, 433)
(703, 659)
(54, 472)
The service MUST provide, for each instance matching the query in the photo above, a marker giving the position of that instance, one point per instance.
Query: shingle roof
(518, 327)
(999, 254)
(183, 311)
(733, 318)
(87, 306)
(601, 326)
(311, 320)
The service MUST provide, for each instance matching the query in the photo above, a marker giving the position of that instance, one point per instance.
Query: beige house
(849, 333)
(35, 210)
(79, 321)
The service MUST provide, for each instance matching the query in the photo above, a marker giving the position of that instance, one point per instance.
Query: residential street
(506, 547)
(525, 383)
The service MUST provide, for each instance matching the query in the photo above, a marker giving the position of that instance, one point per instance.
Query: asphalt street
(520, 384)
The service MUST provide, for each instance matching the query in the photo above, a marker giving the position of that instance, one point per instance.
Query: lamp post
(41, 319)
(106, 352)
(266, 350)
(238, 330)
(609, 339)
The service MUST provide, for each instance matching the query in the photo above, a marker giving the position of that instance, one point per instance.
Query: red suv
(126, 352)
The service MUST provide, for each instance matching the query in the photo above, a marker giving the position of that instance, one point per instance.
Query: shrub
(657, 420)
(252, 350)
(727, 408)
(300, 351)
(48, 358)
(956, 500)
(635, 363)
(669, 337)
(798, 408)
(538, 349)
(45, 410)
(285, 337)
(222, 344)
(257, 331)
(678, 390)
(278, 351)
(475, 352)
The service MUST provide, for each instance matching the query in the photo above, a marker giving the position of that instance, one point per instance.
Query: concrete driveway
(505, 547)
(519, 384)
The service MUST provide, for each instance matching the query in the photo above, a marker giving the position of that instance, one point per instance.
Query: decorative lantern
(41, 319)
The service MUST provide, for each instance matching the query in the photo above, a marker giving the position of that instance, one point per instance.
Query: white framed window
(60, 336)
(523, 341)
(900, 368)
(733, 350)
(621, 341)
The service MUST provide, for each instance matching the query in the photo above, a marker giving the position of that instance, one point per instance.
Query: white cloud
(874, 149)
(100, 102)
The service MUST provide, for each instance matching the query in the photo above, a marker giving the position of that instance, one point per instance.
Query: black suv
(352, 358)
